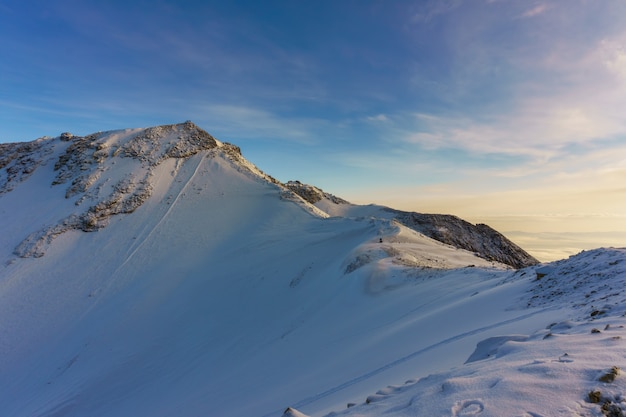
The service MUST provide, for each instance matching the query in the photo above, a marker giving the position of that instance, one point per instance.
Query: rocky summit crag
(104, 173)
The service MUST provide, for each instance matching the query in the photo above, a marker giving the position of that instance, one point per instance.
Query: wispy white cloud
(569, 96)
(379, 118)
(613, 54)
(539, 127)
(535, 11)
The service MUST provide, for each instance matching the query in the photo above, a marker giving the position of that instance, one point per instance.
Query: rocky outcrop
(155, 144)
(18, 161)
(312, 194)
(480, 239)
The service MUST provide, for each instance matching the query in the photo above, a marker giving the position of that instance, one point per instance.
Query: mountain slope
(572, 367)
(157, 272)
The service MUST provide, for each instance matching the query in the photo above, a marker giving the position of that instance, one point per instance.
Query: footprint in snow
(468, 408)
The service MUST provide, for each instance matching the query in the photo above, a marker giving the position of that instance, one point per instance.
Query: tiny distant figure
(381, 240)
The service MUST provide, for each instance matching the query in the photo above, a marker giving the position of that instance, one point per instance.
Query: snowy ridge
(590, 283)
(481, 239)
(572, 368)
(179, 279)
(111, 173)
(399, 245)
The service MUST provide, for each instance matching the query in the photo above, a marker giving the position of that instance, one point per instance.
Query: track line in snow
(406, 358)
(166, 214)
(161, 220)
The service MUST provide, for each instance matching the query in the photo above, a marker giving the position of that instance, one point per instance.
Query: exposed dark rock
(155, 144)
(312, 194)
(481, 239)
(610, 376)
(19, 160)
(594, 397)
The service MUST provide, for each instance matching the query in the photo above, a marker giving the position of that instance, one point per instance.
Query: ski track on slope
(161, 220)
(404, 359)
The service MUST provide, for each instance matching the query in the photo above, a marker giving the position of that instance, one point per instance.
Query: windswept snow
(225, 293)
(565, 368)
(562, 371)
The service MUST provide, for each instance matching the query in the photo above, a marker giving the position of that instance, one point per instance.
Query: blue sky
(480, 108)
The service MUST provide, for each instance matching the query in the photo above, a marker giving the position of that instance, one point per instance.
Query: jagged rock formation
(481, 239)
(19, 160)
(312, 194)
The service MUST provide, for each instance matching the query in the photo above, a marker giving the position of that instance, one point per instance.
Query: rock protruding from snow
(481, 239)
(312, 194)
(19, 160)
(155, 144)
(292, 412)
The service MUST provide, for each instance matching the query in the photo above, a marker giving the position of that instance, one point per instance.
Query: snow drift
(158, 272)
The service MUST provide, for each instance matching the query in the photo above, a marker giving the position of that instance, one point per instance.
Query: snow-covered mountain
(111, 173)
(480, 239)
(158, 272)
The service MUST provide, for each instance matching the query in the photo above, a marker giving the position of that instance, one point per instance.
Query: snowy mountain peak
(110, 173)
(79, 158)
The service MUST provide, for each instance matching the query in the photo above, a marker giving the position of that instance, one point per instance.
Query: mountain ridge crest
(112, 173)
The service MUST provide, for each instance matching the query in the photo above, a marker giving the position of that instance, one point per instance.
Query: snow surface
(225, 295)
(567, 368)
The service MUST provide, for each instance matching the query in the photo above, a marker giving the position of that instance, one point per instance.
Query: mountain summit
(156, 271)
(110, 173)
